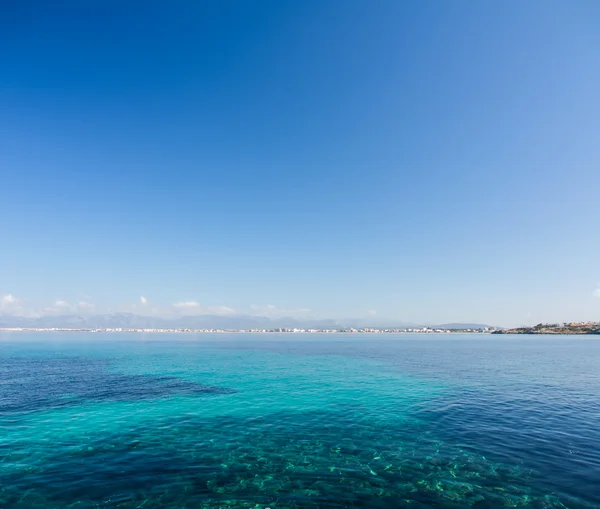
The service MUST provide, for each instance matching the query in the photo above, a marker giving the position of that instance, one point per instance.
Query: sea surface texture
(298, 421)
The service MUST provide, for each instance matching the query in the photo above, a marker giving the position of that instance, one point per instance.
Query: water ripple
(303, 425)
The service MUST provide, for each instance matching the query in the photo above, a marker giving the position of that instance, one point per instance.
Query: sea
(186, 421)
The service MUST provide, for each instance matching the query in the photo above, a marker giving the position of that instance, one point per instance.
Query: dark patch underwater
(38, 384)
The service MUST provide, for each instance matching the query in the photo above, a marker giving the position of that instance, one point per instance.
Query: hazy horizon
(218, 319)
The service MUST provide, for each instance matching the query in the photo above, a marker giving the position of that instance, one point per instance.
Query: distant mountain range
(462, 326)
(231, 322)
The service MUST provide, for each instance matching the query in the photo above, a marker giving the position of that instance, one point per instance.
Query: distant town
(349, 330)
(564, 328)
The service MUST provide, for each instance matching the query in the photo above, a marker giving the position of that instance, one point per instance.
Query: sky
(418, 161)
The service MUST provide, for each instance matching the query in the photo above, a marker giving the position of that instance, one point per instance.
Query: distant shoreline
(555, 329)
(242, 331)
(592, 329)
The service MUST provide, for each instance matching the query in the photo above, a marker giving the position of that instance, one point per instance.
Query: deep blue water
(298, 421)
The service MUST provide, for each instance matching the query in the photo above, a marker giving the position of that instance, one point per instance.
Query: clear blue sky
(427, 161)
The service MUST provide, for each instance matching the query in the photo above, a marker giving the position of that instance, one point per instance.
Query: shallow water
(295, 421)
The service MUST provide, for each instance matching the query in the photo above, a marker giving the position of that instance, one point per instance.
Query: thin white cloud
(62, 307)
(597, 292)
(264, 309)
(59, 307)
(194, 308)
(372, 312)
(14, 306)
(220, 310)
(9, 299)
(190, 304)
(269, 310)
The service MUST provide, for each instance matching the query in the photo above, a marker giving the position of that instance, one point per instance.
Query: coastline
(249, 331)
(556, 330)
(548, 333)
(592, 329)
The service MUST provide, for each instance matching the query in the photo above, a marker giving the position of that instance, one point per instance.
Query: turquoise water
(295, 421)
